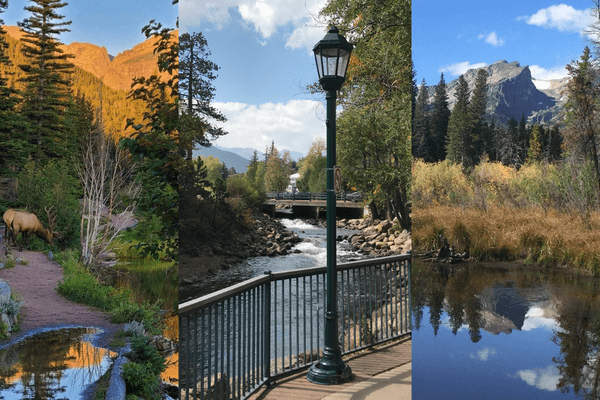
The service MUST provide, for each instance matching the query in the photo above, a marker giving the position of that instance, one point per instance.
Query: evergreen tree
(421, 137)
(14, 146)
(507, 143)
(489, 141)
(250, 174)
(534, 153)
(459, 126)
(582, 137)
(154, 144)
(522, 142)
(439, 121)
(414, 90)
(553, 149)
(477, 111)
(47, 76)
(196, 73)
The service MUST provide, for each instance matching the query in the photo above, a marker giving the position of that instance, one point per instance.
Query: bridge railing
(237, 339)
(310, 196)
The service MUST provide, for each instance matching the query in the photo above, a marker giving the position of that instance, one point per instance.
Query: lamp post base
(329, 372)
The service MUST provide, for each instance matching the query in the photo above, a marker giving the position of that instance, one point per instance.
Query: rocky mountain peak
(511, 94)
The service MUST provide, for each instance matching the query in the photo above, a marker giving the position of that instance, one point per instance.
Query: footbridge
(308, 204)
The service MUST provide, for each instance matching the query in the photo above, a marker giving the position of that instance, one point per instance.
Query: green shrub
(141, 381)
(143, 353)
(48, 185)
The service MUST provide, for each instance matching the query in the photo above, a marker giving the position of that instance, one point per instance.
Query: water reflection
(501, 332)
(57, 364)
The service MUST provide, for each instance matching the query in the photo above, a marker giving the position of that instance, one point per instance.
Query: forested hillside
(96, 77)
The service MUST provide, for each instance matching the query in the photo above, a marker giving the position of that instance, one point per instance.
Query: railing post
(409, 278)
(267, 328)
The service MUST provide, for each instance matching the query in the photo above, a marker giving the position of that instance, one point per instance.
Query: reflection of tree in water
(579, 341)
(43, 370)
(433, 284)
(44, 358)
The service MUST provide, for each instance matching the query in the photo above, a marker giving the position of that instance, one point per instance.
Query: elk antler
(52, 222)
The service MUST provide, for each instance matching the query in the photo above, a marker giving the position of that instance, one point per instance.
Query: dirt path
(43, 307)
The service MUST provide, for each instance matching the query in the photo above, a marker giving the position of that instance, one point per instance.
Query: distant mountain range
(229, 158)
(237, 157)
(512, 92)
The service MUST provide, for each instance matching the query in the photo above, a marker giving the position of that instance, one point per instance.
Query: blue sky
(264, 51)
(116, 25)
(452, 37)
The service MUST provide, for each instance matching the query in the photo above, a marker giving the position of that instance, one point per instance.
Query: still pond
(504, 332)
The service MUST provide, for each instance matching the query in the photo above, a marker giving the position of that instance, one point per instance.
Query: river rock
(162, 344)
(4, 291)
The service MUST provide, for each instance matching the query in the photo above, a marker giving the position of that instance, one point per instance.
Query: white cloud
(544, 379)
(484, 353)
(293, 126)
(460, 68)
(535, 319)
(267, 17)
(557, 72)
(563, 17)
(492, 39)
(193, 12)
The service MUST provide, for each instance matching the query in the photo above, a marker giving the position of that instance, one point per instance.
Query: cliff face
(512, 93)
(134, 63)
(89, 57)
(116, 72)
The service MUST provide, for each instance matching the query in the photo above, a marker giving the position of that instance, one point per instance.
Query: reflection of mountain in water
(504, 306)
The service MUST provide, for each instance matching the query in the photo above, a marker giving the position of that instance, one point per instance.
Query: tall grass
(544, 214)
(79, 285)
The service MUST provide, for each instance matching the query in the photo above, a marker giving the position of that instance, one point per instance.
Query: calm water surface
(504, 332)
(57, 364)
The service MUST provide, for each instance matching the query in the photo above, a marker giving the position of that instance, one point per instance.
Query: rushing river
(504, 332)
(313, 253)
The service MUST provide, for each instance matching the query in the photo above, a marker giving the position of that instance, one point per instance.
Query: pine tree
(439, 121)
(553, 149)
(196, 73)
(507, 143)
(47, 76)
(582, 136)
(459, 126)
(522, 141)
(534, 153)
(479, 126)
(13, 127)
(421, 137)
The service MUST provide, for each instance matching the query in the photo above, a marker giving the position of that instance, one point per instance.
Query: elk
(8, 218)
(28, 224)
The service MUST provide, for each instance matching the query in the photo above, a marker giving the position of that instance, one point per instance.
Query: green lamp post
(332, 55)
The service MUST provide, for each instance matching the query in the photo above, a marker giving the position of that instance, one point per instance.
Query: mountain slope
(116, 72)
(513, 93)
(230, 159)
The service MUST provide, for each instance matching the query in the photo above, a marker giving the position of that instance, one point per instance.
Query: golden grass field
(497, 213)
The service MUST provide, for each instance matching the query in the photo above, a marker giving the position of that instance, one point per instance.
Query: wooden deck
(381, 373)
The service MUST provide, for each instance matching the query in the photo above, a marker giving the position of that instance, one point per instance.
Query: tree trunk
(373, 209)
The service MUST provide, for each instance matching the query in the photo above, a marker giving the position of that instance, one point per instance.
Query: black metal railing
(235, 340)
(309, 196)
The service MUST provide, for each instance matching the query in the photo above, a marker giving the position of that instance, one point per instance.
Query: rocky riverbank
(377, 238)
(268, 237)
